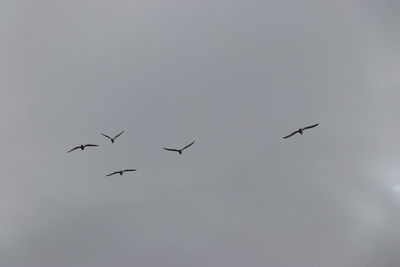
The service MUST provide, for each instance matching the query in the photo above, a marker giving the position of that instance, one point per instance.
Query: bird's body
(180, 151)
(112, 139)
(301, 130)
(82, 147)
(176, 150)
(121, 172)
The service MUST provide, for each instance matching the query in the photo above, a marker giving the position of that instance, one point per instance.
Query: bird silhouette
(112, 139)
(81, 147)
(300, 131)
(179, 150)
(121, 172)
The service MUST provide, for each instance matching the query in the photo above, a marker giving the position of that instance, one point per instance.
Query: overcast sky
(233, 75)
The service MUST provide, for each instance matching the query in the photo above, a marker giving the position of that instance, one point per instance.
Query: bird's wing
(171, 149)
(119, 134)
(312, 126)
(287, 136)
(90, 145)
(106, 136)
(112, 174)
(129, 170)
(73, 149)
(188, 145)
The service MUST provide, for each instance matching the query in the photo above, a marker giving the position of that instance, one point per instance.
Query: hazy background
(233, 75)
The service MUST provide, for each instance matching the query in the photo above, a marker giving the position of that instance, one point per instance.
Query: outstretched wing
(105, 136)
(287, 136)
(312, 126)
(90, 145)
(119, 134)
(129, 170)
(171, 149)
(111, 174)
(188, 145)
(73, 149)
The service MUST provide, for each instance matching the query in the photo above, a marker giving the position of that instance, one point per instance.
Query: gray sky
(235, 76)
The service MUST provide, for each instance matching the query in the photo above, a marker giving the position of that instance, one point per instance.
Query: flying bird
(300, 131)
(112, 139)
(121, 172)
(179, 150)
(81, 147)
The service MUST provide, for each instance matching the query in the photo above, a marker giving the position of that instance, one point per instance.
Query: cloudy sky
(233, 75)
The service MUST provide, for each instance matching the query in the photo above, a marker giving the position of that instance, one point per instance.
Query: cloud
(235, 76)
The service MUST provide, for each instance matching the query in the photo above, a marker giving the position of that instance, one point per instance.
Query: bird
(300, 131)
(179, 150)
(81, 147)
(112, 139)
(121, 172)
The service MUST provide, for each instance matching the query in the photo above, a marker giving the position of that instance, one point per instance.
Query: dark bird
(121, 172)
(112, 139)
(81, 147)
(179, 150)
(300, 131)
